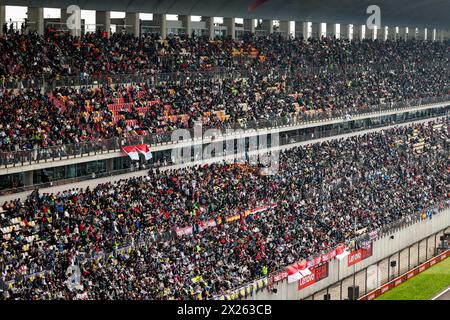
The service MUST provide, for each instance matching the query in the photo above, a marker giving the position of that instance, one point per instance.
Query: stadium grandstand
(224, 150)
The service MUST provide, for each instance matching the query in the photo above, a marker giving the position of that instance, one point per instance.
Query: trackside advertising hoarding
(406, 276)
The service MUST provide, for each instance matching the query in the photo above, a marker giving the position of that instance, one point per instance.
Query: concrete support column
(2, 18)
(103, 21)
(331, 30)
(412, 33)
(301, 29)
(322, 29)
(249, 25)
(345, 31)
(230, 23)
(187, 24)
(161, 20)
(371, 33)
(402, 34)
(358, 32)
(392, 34)
(109, 165)
(210, 25)
(28, 178)
(315, 30)
(432, 34)
(267, 25)
(133, 23)
(423, 34)
(285, 29)
(446, 34)
(384, 33)
(36, 19)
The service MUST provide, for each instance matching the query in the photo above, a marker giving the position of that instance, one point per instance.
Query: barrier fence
(405, 276)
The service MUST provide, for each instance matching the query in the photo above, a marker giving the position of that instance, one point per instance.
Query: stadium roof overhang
(410, 13)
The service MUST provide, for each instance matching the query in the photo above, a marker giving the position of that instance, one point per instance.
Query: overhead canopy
(408, 13)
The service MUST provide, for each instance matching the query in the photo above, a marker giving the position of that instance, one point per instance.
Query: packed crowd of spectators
(381, 73)
(323, 194)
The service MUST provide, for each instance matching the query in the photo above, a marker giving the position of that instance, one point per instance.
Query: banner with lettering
(359, 255)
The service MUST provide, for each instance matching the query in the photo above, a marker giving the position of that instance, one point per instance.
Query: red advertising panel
(318, 273)
(357, 256)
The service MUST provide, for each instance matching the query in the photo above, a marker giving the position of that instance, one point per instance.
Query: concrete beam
(103, 21)
(36, 19)
(133, 23)
(187, 24)
(230, 23)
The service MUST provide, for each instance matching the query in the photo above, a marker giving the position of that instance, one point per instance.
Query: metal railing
(102, 146)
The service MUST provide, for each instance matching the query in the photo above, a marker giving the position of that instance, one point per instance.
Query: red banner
(359, 255)
(317, 274)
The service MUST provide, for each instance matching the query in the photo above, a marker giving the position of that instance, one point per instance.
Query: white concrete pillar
(36, 19)
(422, 34)
(230, 23)
(103, 21)
(301, 29)
(28, 178)
(371, 33)
(210, 25)
(315, 30)
(187, 24)
(358, 32)
(331, 30)
(133, 23)
(345, 31)
(161, 20)
(322, 29)
(432, 34)
(446, 35)
(383, 34)
(249, 25)
(2, 18)
(267, 25)
(392, 34)
(402, 33)
(412, 33)
(285, 28)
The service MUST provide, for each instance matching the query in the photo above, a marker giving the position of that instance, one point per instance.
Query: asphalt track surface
(444, 295)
